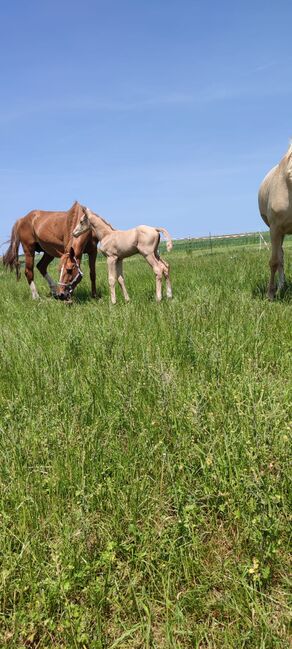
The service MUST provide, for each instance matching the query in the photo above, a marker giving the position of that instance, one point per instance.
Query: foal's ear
(72, 254)
(86, 212)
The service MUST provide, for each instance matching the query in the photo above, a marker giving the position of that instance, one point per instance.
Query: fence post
(210, 239)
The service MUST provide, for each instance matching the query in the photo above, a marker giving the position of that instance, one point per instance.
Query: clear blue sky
(166, 112)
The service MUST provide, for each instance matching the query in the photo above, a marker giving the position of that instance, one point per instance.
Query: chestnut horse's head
(70, 275)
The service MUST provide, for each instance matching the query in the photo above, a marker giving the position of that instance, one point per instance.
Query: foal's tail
(167, 236)
(10, 259)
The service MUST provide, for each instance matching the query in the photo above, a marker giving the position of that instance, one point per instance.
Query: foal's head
(70, 275)
(83, 225)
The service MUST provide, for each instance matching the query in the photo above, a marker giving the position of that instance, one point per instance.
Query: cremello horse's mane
(288, 159)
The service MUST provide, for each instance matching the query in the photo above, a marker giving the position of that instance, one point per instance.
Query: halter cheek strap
(70, 285)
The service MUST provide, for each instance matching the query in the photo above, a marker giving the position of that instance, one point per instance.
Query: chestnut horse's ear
(72, 254)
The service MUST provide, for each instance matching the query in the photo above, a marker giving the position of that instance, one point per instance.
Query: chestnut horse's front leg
(42, 266)
(92, 260)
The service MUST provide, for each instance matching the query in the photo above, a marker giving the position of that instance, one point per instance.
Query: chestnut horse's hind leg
(42, 266)
(121, 280)
(29, 263)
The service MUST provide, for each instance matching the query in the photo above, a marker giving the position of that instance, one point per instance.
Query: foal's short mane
(103, 220)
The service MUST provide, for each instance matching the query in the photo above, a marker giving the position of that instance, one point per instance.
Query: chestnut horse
(51, 233)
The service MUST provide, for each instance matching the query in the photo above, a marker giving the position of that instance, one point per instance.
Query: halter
(70, 285)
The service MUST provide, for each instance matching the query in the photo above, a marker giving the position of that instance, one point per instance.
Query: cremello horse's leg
(158, 270)
(121, 280)
(276, 261)
(29, 263)
(281, 267)
(112, 277)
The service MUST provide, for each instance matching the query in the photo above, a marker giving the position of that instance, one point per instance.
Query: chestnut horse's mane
(73, 216)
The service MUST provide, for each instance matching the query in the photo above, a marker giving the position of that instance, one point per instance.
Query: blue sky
(166, 112)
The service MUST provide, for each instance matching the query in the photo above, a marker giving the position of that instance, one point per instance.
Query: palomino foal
(118, 244)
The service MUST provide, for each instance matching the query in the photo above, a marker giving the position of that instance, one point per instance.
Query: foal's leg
(121, 280)
(276, 258)
(157, 269)
(166, 271)
(29, 263)
(42, 266)
(112, 277)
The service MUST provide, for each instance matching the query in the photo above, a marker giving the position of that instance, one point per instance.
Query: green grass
(145, 460)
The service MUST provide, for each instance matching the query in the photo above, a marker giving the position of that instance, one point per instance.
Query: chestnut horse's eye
(70, 271)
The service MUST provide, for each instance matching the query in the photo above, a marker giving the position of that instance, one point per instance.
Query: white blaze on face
(61, 274)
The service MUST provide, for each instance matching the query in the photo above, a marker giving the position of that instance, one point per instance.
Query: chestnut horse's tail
(10, 259)
(167, 236)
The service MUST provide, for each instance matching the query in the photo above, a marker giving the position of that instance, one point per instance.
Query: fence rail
(261, 239)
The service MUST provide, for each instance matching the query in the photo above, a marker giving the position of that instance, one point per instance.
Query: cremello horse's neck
(100, 227)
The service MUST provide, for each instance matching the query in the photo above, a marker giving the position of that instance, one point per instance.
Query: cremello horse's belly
(275, 201)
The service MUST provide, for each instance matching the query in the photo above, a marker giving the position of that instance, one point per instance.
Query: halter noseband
(70, 285)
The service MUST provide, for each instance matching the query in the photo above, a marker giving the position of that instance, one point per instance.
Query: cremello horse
(275, 204)
(118, 244)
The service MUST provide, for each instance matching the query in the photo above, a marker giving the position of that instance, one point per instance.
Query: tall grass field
(145, 460)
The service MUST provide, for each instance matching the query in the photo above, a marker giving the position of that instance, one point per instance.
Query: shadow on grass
(83, 295)
(259, 291)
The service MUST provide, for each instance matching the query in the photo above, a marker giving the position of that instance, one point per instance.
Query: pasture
(145, 460)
